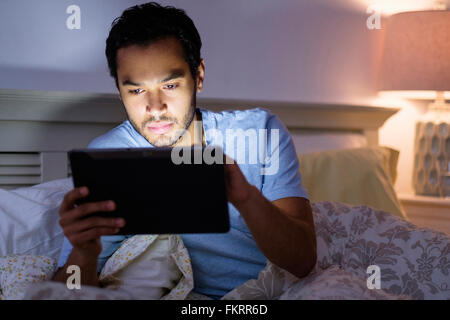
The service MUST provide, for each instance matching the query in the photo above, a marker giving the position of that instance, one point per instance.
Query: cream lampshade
(416, 64)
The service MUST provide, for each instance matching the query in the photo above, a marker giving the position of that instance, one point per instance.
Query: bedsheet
(414, 263)
(22, 275)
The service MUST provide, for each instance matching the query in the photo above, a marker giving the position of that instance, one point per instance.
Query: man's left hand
(238, 188)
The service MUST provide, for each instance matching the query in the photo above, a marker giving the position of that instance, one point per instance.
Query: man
(153, 54)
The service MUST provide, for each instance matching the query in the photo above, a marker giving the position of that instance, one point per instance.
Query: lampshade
(416, 55)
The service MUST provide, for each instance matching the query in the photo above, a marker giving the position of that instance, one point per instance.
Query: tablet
(152, 192)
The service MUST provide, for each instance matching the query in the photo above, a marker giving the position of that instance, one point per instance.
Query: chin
(162, 141)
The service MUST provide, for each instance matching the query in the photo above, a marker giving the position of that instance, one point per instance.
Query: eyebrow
(174, 74)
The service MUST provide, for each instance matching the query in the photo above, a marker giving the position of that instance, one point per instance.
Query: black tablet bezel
(86, 165)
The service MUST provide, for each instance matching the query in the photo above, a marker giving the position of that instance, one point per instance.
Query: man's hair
(144, 24)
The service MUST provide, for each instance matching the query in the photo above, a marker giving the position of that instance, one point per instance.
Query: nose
(155, 105)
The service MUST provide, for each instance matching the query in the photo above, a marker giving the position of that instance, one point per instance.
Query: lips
(160, 127)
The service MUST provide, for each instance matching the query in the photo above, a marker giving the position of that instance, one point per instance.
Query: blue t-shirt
(267, 158)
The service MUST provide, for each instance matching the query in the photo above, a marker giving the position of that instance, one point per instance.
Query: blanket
(29, 277)
(414, 263)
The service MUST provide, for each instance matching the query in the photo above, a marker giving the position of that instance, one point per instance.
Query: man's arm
(282, 229)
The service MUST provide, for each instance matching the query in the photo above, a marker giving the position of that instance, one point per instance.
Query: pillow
(29, 219)
(358, 176)
(308, 141)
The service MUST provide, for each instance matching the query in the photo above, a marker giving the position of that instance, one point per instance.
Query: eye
(171, 86)
(136, 91)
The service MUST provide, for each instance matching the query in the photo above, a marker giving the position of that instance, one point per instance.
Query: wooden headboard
(37, 128)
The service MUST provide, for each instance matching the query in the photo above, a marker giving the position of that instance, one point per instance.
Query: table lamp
(416, 65)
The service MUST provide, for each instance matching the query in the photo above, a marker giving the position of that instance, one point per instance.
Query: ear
(200, 75)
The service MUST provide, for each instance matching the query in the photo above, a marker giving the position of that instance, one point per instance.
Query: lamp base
(432, 151)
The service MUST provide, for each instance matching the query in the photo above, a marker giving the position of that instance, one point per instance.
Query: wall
(285, 50)
(290, 50)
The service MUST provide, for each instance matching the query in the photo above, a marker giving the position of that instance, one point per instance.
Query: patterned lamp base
(432, 154)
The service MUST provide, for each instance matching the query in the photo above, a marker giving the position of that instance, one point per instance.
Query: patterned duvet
(414, 263)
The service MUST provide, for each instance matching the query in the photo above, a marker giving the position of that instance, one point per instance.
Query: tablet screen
(155, 190)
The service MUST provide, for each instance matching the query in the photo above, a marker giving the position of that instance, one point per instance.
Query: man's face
(157, 89)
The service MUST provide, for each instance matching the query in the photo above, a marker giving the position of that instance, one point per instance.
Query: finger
(93, 222)
(228, 160)
(70, 198)
(83, 210)
(92, 207)
(80, 239)
(231, 166)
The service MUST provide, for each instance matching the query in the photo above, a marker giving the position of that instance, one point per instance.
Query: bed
(358, 224)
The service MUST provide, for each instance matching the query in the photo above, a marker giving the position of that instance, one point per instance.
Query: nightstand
(425, 211)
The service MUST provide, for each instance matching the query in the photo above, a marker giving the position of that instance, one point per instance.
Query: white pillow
(29, 219)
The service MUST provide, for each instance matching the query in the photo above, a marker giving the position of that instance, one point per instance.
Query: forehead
(152, 61)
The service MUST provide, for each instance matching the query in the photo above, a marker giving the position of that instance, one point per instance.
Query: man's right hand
(82, 230)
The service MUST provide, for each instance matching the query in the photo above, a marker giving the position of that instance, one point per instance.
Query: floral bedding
(414, 263)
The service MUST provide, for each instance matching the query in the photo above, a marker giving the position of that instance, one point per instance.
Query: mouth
(160, 127)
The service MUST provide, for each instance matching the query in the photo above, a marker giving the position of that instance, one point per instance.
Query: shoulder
(249, 118)
(118, 137)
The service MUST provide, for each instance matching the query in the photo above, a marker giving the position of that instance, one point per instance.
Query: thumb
(228, 160)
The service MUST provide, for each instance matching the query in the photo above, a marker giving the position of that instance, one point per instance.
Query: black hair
(147, 23)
